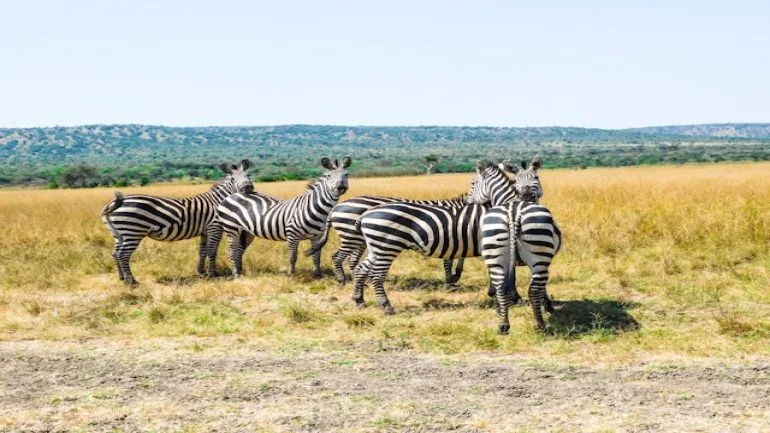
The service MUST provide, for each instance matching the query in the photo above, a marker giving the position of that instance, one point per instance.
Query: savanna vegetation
(663, 267)
(120, 155)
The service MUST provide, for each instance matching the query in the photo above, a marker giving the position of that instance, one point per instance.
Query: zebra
(244, 216)
(435, 231)
(519, 233)
(344, 217)
(133, 217)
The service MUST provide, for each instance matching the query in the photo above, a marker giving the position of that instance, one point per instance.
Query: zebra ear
(245, 164)
(479, 167)
(346, 161)
(225, 169)
(336, 163)
(537, 162)
(508, 166)
(524, 165)
(327, 163)
(233, 167)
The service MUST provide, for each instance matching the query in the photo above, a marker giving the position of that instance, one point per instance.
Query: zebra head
(527, 180)
(238, 179)
(335, 179)
(491, 185)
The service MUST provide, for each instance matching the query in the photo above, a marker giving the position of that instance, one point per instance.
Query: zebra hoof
(317, 274)
(503, 329)
(389, 310)
(360, 302)
(541, 329)
(452, 287)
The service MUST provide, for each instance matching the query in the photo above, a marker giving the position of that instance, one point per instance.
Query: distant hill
(720, 130)
(134, 153)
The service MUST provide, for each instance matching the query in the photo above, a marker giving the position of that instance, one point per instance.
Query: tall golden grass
(657, 260)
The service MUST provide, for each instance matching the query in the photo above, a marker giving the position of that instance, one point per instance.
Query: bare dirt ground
(228, 386)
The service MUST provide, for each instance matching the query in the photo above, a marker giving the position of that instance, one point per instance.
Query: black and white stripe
(245, 216)
(519, 233)
(344, 218)
(391, 228)
(133, 217)
(443, 232)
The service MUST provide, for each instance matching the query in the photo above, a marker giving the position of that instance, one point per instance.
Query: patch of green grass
(299, 313)
(360, 319)
(317, 287)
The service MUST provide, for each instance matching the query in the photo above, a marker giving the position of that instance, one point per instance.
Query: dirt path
(166, 385)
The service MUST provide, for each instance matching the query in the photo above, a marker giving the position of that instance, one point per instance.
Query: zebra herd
(499, 219)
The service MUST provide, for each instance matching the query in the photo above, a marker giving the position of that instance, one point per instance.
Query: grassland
(663, 267)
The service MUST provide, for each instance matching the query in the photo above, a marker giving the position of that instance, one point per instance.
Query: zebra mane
(220, 182)
(314, 182)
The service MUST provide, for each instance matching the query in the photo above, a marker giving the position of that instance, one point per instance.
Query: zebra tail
(108, 209)
(509, 275)
(114, 204)
(320, 244)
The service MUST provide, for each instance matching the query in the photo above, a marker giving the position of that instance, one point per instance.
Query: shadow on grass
(427, 285)
(603, 316)
(187, 280)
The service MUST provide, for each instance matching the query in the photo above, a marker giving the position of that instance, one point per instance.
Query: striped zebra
(133, 217)
(435, 231)
(519, 233)
(344, 217)
(245, 216)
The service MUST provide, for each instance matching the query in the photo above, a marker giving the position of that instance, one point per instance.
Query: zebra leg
(338, 258)
(317, 259)
(214, 235)
(504, 300)
(123, 256)
(202, 253)
(379, 272)
(547, 302)
(449, 280)
(537, 294)
(458, 270)
(115, 257)
(360, 275)
(293, 245)
(236, 254)
(355, 257)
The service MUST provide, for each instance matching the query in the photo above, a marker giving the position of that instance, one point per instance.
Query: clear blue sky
(610, 64)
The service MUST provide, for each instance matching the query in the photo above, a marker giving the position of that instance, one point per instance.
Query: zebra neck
(215, 195)
(503, 191)
(317, 193)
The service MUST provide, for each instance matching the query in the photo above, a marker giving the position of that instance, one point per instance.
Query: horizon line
(386, 126)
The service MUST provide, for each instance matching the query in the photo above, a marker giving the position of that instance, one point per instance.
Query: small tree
(79, 176)
(431, 160)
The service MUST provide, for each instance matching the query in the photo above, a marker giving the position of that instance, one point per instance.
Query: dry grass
(657, 261)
